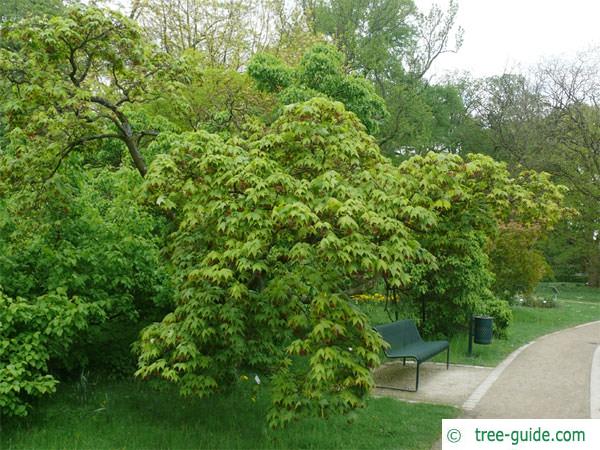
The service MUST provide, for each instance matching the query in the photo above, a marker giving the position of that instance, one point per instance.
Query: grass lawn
(577, 304)
(572, 292)
(130, 415)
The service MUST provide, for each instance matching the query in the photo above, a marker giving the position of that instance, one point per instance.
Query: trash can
(482, 329)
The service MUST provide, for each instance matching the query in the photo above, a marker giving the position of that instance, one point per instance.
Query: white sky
(501, 35)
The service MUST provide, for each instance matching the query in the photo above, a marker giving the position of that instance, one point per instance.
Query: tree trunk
(593, 266)
(138, 159)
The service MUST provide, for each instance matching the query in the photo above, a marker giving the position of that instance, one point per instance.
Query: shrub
(82, 245)
(32, 332)
(500, 311)
(517, 265)
(472, 198)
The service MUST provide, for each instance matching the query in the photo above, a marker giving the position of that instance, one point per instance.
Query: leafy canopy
(73, 80)
(320, 73)
(473, 198)
(274, 232)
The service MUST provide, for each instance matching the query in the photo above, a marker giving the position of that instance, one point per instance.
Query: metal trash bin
(482, 329)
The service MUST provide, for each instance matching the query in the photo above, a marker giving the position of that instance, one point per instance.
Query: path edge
(481, 390)
(595, 385)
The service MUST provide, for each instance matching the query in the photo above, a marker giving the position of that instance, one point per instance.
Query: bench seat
(405, 342)
(419, 351)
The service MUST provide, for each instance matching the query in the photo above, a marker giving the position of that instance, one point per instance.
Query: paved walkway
(436, 385)
(555, 377)
(550, 378)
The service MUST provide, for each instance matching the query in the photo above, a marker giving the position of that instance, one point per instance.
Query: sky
(508, 35)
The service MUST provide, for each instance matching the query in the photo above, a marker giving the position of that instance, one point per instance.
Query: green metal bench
(406, 342)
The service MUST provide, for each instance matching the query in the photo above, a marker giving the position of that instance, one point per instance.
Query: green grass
(528, 324)
(577, 304)
(130, 415)
(575, 292)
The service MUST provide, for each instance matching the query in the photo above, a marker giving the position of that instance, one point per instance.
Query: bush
(500, 311)
(80, 271)
(272, 233)
(517, 265)
(32, 332)
(472, 197)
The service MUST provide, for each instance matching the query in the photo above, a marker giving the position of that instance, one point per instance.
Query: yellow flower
(377, 297)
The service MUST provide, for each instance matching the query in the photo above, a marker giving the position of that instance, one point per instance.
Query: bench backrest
(399, 334)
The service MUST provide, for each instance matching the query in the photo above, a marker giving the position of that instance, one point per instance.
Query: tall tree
(273, 235)
(548, 120)
(73, 80)
(512, 106)
(320, 72)
(228, 33)
(371, 33)
(435, 33)
(12, 10)
(392, 44)
(573, 136)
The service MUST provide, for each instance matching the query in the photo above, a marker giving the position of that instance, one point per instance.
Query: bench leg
(417, 384)
(448, 358)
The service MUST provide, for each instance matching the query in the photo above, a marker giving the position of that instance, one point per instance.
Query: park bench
(406, 343)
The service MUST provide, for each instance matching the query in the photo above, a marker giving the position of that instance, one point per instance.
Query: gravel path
(551, 378)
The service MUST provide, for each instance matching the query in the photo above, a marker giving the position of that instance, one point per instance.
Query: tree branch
(72, 146)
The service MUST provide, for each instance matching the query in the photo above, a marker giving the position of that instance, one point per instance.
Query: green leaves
(80, 268)
(72, 81)
(270, 234)
(472, 199)
(31, 332)
(273, 232)
(320, 72)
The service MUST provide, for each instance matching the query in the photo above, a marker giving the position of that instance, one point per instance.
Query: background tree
(372, 34)
(227, 33)
(393, 45)
(218, 100)
(548, 121)
(73, 80)
(320, 72)
(573, 135)
(511, 106)
(435, 33)
(13, 10)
